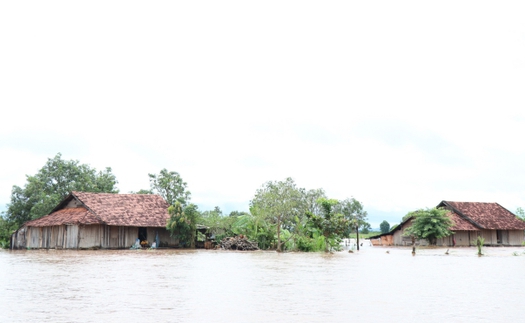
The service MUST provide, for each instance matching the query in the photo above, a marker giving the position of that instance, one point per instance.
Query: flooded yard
(376, 283)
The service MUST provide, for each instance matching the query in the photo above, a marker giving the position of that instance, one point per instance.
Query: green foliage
(311, 244)
(282, 203)
(6, 229)
(257, 227)
(182, 223)
(286, 217)
(142, 191)
(237, 213)
(384, 226)
(409, 215)
(430, 224)
(332, 225)
(479, 243)
(354, 212)
(53, 182)
(310, 199)
(219, 225)
(170, 186)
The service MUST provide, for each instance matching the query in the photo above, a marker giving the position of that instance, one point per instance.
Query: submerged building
(98, 220)
(491, 221)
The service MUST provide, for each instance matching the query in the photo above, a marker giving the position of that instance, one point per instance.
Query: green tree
(430, 224)
(6, 229)
(283, 203)
(331, 224)
(354, 212)
(219, 225)
(182, 223)
(384, 226)
(53, 182)
(170, 186)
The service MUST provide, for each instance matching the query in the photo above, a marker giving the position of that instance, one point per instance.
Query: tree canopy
(430, 224)
(53, 182)
(282, 201)
(354, 212)
(331, 224)
(170, 186)
(384, 226)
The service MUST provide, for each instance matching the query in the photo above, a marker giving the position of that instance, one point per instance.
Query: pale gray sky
(400, 104)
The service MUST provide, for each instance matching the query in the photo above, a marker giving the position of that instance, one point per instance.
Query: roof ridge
(87, 207)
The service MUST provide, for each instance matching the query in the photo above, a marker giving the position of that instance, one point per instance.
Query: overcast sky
(400, 104)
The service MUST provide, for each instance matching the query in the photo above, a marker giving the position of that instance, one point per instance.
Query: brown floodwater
(224, 286)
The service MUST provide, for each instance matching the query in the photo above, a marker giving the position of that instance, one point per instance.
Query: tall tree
(282, 202)
(430, 224)
(384, 226)
(354, 212)
(170, 186)
(53, 182)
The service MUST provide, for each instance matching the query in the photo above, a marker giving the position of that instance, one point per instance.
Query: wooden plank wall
(75, 237)
(85, 237)
(516, 237)
(462, 239)
(164, 237)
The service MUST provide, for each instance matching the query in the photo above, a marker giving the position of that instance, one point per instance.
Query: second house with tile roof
(497, 225)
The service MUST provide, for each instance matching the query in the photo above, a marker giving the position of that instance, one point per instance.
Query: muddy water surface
(219, 286)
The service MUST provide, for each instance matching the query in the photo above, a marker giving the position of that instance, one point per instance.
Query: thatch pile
(238, 243)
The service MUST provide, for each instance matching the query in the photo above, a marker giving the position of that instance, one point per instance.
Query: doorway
(143, 234)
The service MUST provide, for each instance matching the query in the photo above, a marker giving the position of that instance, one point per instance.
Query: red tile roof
(491, 216)
(133, 210)
(460, 223)
(78, 215)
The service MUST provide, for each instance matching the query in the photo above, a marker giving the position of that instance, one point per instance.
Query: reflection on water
(220, 286)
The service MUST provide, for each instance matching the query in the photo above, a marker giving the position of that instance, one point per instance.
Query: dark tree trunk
(357, 233)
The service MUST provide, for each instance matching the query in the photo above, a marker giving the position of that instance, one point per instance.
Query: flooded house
(98, 220)
(491, 221)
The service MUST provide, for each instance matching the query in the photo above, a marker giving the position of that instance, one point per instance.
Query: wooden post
(357, 232)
